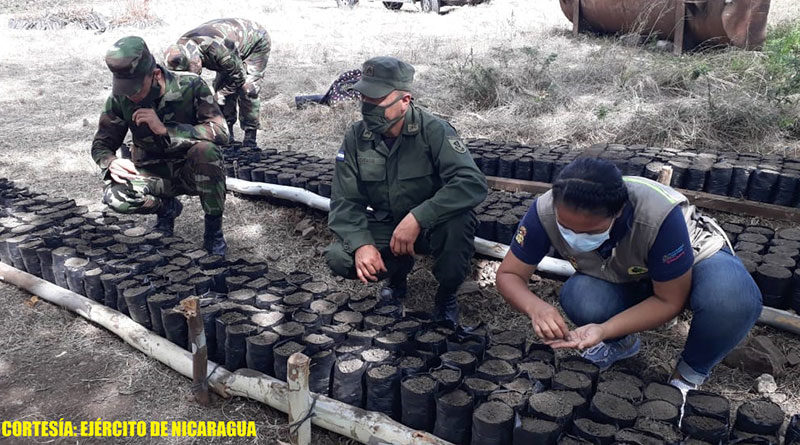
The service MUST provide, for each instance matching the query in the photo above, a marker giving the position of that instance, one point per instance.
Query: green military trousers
(200, 173)
(451, 244)
(247, 96)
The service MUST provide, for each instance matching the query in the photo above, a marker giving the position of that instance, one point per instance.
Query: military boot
(249, 138)
(213, 240)
(446, 308)
(166, 214)
(397, 286)
(231, 140)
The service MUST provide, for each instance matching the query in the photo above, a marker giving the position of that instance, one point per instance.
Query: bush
(509, 74)
(782, 49)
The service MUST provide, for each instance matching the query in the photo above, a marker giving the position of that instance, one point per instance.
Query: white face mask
(584, 242)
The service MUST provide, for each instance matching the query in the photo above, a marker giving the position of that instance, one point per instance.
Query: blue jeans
(724, 299)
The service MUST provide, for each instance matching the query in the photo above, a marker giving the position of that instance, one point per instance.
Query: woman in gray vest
(642, 254)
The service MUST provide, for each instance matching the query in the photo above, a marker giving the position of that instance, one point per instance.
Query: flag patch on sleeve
(340, 155)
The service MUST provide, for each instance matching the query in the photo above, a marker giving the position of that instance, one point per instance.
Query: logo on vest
(573, 261)
(521, 234)
(637, 270)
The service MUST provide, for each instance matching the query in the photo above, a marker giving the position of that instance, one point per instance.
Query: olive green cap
(382, 75)
(130, 62)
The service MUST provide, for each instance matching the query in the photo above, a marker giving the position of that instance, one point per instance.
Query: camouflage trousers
(200, 173)
(247, 96)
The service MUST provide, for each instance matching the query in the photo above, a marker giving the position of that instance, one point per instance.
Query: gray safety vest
(651, 202)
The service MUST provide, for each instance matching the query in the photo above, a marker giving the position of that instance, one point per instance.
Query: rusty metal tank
(742, 23)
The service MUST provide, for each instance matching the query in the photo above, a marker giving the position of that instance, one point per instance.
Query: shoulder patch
(521, 234)
(340, 155)
(457, 145)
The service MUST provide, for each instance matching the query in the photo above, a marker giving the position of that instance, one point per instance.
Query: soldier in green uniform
(176, 130)
(404, 184)
(238, 50)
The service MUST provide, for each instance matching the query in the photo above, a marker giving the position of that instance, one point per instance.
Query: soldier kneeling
(419, 182)
(176, 128)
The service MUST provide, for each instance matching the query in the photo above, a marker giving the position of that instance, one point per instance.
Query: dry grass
(50, 101)
(137, 14)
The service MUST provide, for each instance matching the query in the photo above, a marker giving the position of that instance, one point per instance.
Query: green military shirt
(224, 44)
(188, 110)
(428, 172)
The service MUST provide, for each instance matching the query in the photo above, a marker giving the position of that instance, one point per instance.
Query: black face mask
(375, 116)
(152, 96)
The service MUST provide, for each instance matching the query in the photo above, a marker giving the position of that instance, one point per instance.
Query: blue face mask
(584, 242)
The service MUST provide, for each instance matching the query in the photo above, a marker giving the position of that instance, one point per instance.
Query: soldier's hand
(250, 90)
(405, 235)
(149, 117)
(368, 263)
(122, 169)
(219, 98)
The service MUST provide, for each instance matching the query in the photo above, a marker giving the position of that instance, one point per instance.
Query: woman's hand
(548, 323)
(583, 337)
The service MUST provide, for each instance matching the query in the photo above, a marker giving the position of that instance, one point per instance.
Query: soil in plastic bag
(347, 385)
(418, 402)
(454, 416)
(492, 424)
(383, 390)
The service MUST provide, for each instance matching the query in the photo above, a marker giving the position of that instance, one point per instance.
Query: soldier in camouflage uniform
(238, 50)
(176, 129)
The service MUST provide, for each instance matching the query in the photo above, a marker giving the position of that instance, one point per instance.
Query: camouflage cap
(183, 57)
(130, 61)
(382, 75)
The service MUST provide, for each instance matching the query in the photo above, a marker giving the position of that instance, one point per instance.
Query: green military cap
(382, 75)
(130, 61)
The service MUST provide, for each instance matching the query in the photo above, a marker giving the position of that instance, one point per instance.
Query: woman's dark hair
(592, 185)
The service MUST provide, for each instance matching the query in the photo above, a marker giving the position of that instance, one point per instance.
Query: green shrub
(782, 49)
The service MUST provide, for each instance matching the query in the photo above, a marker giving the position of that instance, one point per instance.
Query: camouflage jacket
(224, 44)
(186, 108)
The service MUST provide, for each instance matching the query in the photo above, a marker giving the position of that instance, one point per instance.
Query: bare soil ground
(53, 84)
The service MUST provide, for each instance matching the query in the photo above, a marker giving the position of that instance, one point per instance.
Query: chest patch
(637, 270)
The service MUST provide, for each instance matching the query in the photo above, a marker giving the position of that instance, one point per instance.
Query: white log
(295, 194)
(548, 264)
(332, 415)
(780, 319)
(349, 421)
(297, 373)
